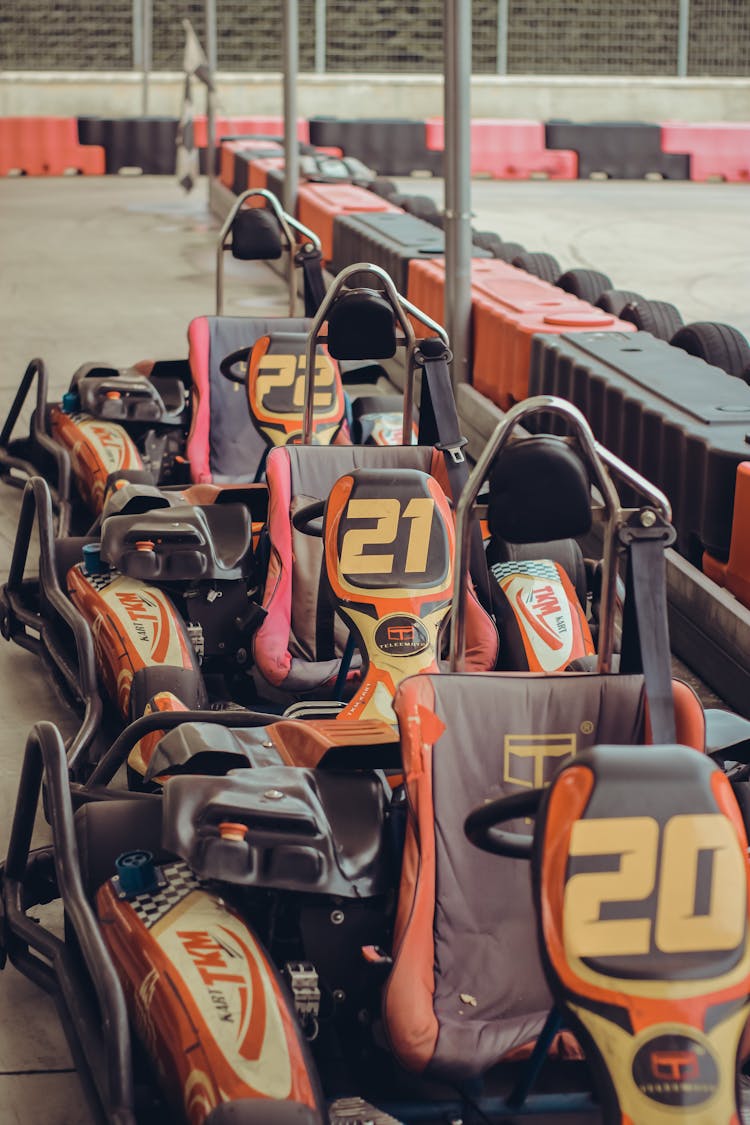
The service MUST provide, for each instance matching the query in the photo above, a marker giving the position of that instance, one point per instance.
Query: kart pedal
(356, 1111)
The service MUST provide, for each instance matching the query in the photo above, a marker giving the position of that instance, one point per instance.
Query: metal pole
(320, 36)
(291, 65)
(457, 115)
(137, 34)
(148, 22)
(210, 12)
(502, 37)
(683, 33)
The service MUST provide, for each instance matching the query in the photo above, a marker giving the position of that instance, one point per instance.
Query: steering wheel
(309, 519)
(482, 824)
(234, 366)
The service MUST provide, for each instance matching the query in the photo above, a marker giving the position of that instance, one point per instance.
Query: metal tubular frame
(80, 678)
(596, 456)
(41, 955)
(401, 306)
(287, 224)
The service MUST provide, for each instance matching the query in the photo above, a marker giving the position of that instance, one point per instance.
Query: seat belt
(645, 626)
(439, 426)
(313, 285)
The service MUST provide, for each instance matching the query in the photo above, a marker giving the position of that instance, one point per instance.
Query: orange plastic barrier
(319, 204)
(232, 126)
(509, 150)
(509, 306)
(735, 573)
(717, 149)
(46, 146)
(259, 168)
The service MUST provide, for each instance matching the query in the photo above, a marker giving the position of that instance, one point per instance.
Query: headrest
(256, 235)
(361, 325)
(539, 490)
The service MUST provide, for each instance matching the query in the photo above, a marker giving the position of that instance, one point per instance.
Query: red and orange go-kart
(305, 945)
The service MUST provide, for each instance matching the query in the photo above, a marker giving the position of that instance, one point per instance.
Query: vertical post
(320, 36)
(457, 116)
(291, 64)
(683, 36)
(502, 37)
(137, 34)
(147, 49)
(210, 12)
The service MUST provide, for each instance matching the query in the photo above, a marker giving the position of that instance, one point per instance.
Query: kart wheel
(614, 300)
(719, 344)
(586, 284)
(383, 187)
(507, 251)
(422, 206)
(657, 317)
(544, 266)
(487, 240)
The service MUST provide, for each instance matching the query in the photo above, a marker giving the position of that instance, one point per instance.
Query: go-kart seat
(179, 543)
(223, 445)
(467, 986)
(299, 645)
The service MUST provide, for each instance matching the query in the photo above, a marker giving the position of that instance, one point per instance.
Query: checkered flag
(195, 65)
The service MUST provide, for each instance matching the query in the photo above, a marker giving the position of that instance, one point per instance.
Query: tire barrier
(147, 143)
(46, 146)
(716, 151)
(391, 146)
(392, 240)
(509, 150)
(509, 307)
(679, 422)
(619, 150)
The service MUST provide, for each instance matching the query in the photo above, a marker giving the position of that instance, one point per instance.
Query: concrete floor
(113, 270)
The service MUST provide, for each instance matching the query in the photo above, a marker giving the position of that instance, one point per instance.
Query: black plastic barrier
(392, 146)
(147, 143)
(626, 150)
(388, 239)
(681, 423)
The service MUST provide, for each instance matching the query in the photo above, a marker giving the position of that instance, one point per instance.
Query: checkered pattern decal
(152, 906)
(98, 581)
(535, 568)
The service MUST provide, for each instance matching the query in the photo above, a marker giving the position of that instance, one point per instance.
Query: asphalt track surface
(113, 269)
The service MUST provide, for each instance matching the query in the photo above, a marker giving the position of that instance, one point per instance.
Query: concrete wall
(119, 94)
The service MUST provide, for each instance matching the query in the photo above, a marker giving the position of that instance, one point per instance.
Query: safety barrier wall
(513, 149)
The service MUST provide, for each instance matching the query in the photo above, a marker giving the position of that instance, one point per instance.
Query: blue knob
(136, 872)
(92, 559)
(70, 402)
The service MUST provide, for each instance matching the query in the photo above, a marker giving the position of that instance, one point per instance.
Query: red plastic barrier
(509, 306)
(716, 149)
(228, 152)
(232, 126)
(319, 204)
(735, 573)
(509, 150)
(46, 146)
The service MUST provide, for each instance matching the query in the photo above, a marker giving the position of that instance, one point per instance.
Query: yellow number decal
(636, 840)
(353, 559)
(682, 924)
(418, 511)
(289, 371)
(679, 929)
(279, 371)
(323, 379)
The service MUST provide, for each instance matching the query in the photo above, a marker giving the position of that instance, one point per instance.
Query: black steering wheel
(309, 519)
(482, 824)
(234, 366)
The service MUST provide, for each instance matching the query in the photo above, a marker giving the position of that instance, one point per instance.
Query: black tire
(420, 205)
(544, 266)
(507, 251)
(487, 240)
(719, 344)
(383, 187)
(657, 317)
(614, 300)
(589, 285)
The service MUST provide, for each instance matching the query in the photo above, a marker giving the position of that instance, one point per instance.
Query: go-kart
(299, 942)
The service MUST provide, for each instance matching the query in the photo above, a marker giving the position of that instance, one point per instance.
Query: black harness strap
(645, 628)
(439, 426)
(313, 285)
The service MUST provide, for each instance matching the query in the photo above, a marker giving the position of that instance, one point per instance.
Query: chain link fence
(576, 37)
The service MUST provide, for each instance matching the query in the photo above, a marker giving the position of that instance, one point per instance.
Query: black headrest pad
(256, 235)
(361, 325)
(539, 490)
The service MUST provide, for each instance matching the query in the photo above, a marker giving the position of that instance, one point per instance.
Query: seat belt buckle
(454, 449)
